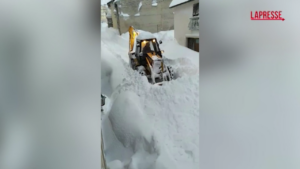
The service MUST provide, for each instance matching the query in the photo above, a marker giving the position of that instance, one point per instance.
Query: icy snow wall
(150, 126)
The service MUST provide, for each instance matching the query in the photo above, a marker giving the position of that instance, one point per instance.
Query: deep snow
(147, 126)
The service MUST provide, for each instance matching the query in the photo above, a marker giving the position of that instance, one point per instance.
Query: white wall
(182, 15)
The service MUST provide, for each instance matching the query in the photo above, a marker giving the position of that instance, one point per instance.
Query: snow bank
(150, 126)
(165, 36)
(124, 110)
(129, 132)
(116, 164)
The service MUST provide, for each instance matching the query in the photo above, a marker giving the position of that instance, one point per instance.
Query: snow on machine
(146, 57)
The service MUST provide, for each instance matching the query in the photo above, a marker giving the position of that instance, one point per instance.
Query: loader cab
(148, 45)
(146, 49)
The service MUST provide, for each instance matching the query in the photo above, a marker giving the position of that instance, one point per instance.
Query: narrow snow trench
(146, 126)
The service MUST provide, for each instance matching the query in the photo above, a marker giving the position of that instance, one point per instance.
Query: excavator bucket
(132, 35)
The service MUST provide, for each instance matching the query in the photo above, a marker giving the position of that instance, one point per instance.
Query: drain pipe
(118, 15)
(103, 162)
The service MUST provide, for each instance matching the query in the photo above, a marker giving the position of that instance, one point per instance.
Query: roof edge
(180, 4)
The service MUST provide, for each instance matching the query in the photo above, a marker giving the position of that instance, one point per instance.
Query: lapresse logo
(266, 15)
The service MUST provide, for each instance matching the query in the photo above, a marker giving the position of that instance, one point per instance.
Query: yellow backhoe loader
(146, 57)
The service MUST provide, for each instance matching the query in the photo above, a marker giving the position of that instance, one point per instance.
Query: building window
(193, 43)
(196, 9)
(109, 22)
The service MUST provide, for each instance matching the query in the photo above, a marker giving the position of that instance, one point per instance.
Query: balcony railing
(194, 23)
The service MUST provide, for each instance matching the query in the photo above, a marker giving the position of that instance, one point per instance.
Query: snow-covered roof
(178, 2)
(144, 35)
(105, 1)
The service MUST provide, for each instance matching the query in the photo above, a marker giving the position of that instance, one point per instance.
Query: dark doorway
(193, 43)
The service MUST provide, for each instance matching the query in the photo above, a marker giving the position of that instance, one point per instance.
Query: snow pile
(145, 35)
(149, 126)
(165, 36)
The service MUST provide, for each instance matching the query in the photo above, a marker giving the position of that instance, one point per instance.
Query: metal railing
(194, 23)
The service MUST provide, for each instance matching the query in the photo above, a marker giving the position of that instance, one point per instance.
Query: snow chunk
(177, 2)
(156, 65)
(140, 5)
(145, 35)
(155, 57)
(124, 14)
(139, 8)
(154, 3)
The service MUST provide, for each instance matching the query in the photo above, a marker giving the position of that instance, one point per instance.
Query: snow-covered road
(147, 126)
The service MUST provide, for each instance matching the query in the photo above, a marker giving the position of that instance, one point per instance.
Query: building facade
(103, 14)
(149, 15)
(111, 6)
(186, 23)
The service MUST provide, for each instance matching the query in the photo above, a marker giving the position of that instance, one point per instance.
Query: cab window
(152, 45)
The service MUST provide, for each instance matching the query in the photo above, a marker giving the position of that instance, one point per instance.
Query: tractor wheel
(132, 64)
